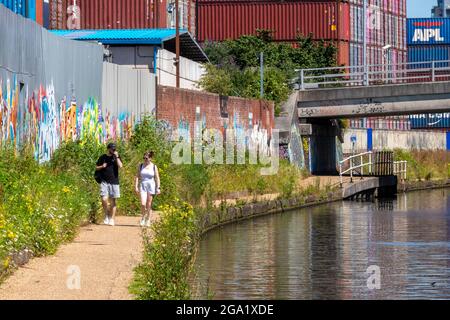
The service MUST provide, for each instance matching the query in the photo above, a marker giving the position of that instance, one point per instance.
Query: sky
(420, 8)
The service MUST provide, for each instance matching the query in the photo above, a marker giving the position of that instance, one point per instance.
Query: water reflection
(324, 252)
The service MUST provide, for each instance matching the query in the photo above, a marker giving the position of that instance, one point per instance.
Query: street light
(177, 42)
(366, 80)
(387, 61)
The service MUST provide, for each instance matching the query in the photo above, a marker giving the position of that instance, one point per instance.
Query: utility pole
(261, 60)
(366, 82)
(177, 41)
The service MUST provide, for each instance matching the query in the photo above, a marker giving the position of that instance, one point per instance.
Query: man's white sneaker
(106, 221)
(142, 223)
(111, 222)
(148, 223)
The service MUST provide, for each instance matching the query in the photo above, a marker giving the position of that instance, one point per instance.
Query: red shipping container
(218, 21)
(109, 14)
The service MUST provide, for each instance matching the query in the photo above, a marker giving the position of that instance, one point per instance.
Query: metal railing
(375, 74)
(378, 163)
(401, 169)
(353, 166)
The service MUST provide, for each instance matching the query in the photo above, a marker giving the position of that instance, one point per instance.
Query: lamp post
(366, 80)
(261, 75)
(177, 43)
(387, 62)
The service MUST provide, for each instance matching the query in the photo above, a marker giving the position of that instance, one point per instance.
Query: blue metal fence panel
(434, 120)
(448, 140)
(428, 31)
(369, 140)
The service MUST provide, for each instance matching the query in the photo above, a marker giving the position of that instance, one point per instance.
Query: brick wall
(181, 105)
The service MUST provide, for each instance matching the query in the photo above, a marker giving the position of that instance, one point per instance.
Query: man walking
(108, 166)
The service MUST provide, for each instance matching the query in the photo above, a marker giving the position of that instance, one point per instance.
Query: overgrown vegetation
(40, 207)
(425, 165)
(234, 65)
(168, 256)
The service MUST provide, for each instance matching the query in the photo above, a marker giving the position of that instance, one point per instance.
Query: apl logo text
(427, 31)
(425, 35)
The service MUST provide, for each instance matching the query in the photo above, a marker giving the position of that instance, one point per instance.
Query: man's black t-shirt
(110, 174)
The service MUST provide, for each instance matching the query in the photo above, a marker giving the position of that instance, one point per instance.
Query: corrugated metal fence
(127, 89)
(35, 57)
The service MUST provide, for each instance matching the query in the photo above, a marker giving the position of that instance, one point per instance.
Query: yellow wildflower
(66, 190)
(11, 235)
(6, 263)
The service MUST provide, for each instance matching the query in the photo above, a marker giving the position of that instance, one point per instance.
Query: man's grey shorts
(109, 190)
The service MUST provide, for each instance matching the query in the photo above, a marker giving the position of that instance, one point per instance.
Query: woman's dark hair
(149, 154)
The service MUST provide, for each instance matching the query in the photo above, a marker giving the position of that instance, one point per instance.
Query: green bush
(40, 207)
(425, 165)
(168, 256)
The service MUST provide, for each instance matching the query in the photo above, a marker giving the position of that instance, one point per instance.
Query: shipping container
(428, 53)
(31, 9)
(98, 14)
(119, 14)
(46, 14)
(218, 21)
(386, 25)
(382, 123)
(17, 6)
(426, 31)
(430, 121)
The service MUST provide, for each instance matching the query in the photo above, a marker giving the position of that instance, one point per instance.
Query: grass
(425, 165)
(40, 207)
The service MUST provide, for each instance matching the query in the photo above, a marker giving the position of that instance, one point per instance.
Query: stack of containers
(382, 123)
(32, 9)
(17, 6)
(219, 20)
(122, 14)
(386, 25)
(429, 40)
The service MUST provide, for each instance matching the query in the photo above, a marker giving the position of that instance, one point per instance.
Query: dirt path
(104, 256)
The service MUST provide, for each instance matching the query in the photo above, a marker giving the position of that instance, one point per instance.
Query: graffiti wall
(244, 119)
(37, 118)
(51, 90)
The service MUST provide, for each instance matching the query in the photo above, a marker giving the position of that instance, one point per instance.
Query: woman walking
(148, 187)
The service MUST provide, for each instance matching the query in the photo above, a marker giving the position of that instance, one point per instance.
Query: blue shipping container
(428, 53)
(17, 6)
(427, 121)
(428, 31)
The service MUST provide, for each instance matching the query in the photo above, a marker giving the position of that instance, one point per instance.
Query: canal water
(325, 252)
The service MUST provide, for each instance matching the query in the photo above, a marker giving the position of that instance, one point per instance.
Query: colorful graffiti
(242, 131)
(36, 119)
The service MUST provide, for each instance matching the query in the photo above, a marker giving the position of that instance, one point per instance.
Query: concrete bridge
(313, 110)
(367, 187)
(370, 101)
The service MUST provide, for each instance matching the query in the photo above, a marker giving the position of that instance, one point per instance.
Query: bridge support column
(323, 148)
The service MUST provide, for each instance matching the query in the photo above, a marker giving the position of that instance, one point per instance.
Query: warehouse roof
(163, 37)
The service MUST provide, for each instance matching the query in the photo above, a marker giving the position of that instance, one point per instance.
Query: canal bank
(218, 217)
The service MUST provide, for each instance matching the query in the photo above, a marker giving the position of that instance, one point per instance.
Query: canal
(324, 252)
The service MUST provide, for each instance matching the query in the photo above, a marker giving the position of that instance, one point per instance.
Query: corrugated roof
(121, 36)
(189, 47)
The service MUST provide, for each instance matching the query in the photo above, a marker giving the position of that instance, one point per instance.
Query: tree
(234, 67)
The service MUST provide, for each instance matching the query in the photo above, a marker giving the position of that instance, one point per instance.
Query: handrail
(353, 167)
(400, 169)
(421, 71)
